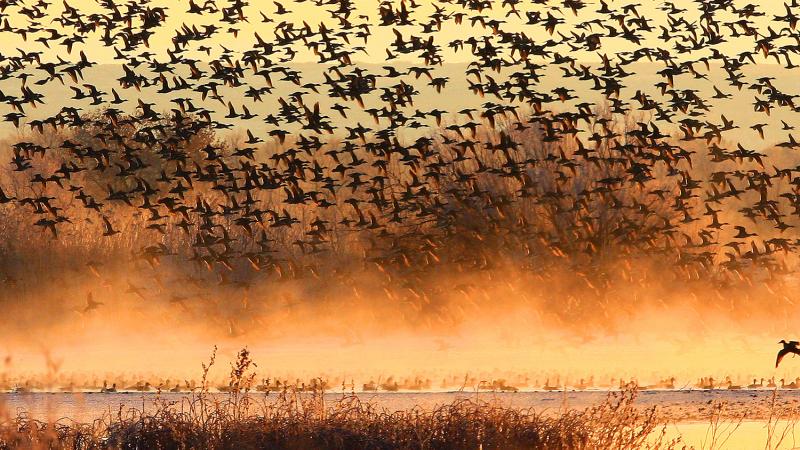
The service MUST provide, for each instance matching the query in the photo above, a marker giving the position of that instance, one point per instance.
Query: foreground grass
(293, 420)
(348, 423)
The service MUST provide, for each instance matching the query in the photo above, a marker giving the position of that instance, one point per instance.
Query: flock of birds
(469, 383)
(543, 177)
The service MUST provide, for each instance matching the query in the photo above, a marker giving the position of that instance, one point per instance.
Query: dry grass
(294, 420)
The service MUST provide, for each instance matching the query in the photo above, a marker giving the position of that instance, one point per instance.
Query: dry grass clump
(294, 420)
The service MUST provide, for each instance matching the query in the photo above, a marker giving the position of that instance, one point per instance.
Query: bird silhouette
(91, 303)
(254, 167)
(788, 347)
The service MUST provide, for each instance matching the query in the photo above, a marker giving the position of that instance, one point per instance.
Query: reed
(290, 419)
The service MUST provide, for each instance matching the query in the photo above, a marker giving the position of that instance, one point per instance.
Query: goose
(788, 347)
(547, 386)
(731, 386)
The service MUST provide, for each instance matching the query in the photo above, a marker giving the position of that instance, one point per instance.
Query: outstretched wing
(781, 354)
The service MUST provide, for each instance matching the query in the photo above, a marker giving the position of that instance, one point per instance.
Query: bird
(91, 303)
(109, 229)
(534, 157)
(788, 347)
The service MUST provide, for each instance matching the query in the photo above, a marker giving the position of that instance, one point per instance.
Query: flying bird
(788, 347)
(91, 303)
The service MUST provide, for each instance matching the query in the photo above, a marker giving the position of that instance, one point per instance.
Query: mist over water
(480, 326)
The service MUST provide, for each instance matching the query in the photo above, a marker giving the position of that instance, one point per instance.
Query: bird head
(782, 341)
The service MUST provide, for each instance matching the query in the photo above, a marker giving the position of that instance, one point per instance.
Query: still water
(689, 410)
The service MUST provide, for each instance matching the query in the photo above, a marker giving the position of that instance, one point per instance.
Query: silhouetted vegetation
(290, 419)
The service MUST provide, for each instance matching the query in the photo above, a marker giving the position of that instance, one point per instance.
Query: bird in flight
(788, 347)
(91, 303)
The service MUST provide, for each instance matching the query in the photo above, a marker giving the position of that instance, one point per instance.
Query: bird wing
(782, 353)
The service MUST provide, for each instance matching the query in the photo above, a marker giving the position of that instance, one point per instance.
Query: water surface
(689, 410)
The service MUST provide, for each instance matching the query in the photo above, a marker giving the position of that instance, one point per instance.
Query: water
(747, 435)
(689, 409)
(681, 404)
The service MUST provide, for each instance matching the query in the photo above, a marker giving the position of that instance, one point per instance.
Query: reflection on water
(747, 435)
